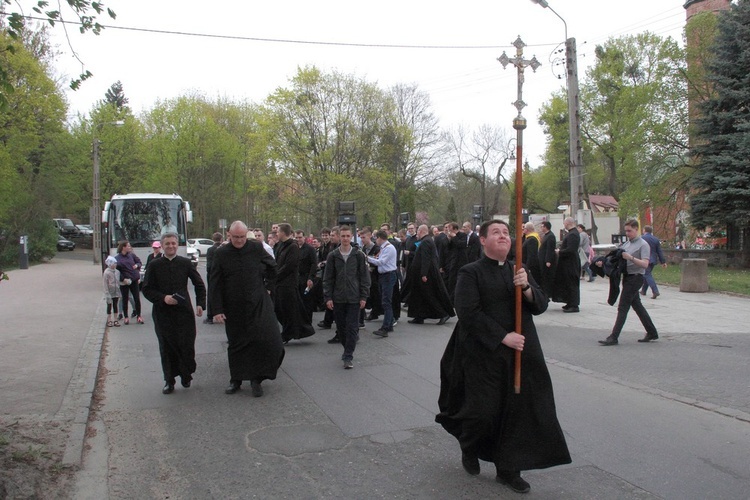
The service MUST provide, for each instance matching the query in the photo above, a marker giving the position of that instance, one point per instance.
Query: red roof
(603, 203)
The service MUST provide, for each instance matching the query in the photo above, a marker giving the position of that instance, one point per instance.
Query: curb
(76, 403)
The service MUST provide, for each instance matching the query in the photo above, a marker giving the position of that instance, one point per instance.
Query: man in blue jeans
(656, 256)
(386, 263)
(346, 286)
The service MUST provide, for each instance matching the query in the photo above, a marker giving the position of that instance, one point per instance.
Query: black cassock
(568, 272)
(174, 325)
(238, 290)
(477, 400)
(290, 310)
(426, 300)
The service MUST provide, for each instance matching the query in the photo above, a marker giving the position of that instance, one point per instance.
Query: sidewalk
(50, 341)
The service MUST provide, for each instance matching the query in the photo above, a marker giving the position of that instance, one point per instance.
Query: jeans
(649, 280)
(629, 297)
(387, 281)
(347, 326)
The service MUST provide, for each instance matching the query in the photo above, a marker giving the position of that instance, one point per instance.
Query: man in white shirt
(386, 263)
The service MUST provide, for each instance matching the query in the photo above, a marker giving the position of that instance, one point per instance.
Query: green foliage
(87, 13)
(30, 128)
(722, 177)
(719, 279)
(450, 214)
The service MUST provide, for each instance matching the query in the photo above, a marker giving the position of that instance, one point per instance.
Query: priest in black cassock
(568, 272)
(426, 292)
(240, 275)
(290, 310)
(477, 402)
(165, 285)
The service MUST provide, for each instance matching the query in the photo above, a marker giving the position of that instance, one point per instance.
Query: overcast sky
(466, 84)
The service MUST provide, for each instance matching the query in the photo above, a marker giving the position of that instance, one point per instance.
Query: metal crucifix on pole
(519, 123)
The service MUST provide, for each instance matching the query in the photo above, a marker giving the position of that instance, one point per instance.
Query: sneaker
(134, 315)
(395, 323)
(380, 333)
(348, 365)
(119, 316)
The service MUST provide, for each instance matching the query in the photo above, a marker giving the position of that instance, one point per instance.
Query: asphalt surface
(669, 419)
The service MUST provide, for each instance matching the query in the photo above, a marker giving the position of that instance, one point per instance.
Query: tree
(482, 157)
(721, 181)
(115, 95)
(85, 11)
(30, 128)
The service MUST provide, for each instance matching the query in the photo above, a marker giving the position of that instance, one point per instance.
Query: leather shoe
(323, 326)
(416, 321)
(256, 388)
(514, 481)
(334, 340)
(371, 317)
(643, 292)
(443, 320)
(380, 333)
(655, 295)
(573, 309)
(608, 341)
(648, 338)
(168, 389)
(470, 463)
(186, 382)
(233, 387)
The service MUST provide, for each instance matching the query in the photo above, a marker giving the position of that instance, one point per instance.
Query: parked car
(85, 229)
(66, 228)
(200, 244)
(64, 244)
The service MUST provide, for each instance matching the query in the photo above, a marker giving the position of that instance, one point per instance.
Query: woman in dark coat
(477, 402)
(240, 273)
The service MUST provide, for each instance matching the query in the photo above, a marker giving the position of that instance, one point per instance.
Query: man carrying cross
(477, 401)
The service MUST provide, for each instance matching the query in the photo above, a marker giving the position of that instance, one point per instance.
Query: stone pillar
(694, 275)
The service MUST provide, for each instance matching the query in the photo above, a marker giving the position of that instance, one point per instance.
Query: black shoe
(591, 279)
(608, 341)
(470, 463)
(648, 338)
(334, 340)
(168, 389)
(134, 315)
(380, 333)
(572, 309)
(323, 326)
(643, 292)
(514, 481)
(185, 382)
(371, 317)
(443, 320)
(256, 388)
(361, 325)
(119, 317)
(234, 386)
(416, 321)
(208, 321)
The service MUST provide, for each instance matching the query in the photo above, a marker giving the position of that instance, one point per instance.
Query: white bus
(141, 219)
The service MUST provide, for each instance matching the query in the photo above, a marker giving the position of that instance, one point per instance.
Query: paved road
(662, 420)
(665, 420)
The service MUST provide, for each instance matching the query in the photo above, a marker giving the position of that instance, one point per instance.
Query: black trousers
(631, 285)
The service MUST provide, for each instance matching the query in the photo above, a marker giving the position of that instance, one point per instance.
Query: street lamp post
(96, 216)
(574, 123)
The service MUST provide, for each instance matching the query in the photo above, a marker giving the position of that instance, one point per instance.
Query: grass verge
(719, 279)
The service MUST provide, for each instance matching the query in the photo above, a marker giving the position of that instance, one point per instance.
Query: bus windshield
(141, 222)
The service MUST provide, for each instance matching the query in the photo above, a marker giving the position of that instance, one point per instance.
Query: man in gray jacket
(346, 286)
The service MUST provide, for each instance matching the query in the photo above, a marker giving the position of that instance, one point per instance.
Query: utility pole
(574, 128)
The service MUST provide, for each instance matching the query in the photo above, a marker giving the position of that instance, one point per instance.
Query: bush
(42, 243)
